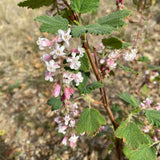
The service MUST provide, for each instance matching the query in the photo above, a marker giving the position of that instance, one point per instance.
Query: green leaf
(114, 19)
(153, 67)
(127, 69)
(94, 85)
(35, 3)
(129, 99)
(84, 6)
(52, 24)
(153, 117)
(85, 65)
(55, 103)
(132, 135)
(143, 59)
(99, 29)
(125, 45)
(144, 152)
(77, 31)
(112, 42)
(90, 122)
(145, 90)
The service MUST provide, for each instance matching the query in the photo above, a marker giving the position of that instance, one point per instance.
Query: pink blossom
(102, 61)
(71, 90)
(62, 128)
(158, 107)
(72, 123)
(75, 50)
(111, 64)
(57, 90)
(67, 119)
(46, 57)
(77, 78)
(58, 120)
(64, 141)
(52, 66)
(100, 48)
(67, 93)
(73, 139)
(48, 76)
(155, 138)
(146, 129)
(43, 42)
(143, 106)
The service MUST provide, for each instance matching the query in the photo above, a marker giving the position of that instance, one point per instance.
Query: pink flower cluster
(147, 104)
(59, 58)
(66, 124)
(109, 58)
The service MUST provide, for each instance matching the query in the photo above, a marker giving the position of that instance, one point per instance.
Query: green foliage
(114, 19)
(85, 65)
(94, 85)
(127, 69)
(144, 152)
(90, 122)
(153, 117)
(99, 29)
(143, 59)
(132, 135)
(153, 67)
(55, 103)
(35, 3)
(77, 31)
(52, 24)
(145, 90)
(126, 97)
(125, 45)
(84, 6)
(112, 42)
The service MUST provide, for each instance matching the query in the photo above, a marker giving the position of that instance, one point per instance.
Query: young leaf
(114, 19)
(153, 67)
(77, 31)
(153, 117)
(84, 6)
(129, 99)
(112, 42)
(127, 69)
(94, 85)
(35, 3)
(143, 59)
(125, 45)
(132, 135)
(99, 29)
(144, 152)
(55, 103)
(52, 24)
(90, 122)
(85, 65)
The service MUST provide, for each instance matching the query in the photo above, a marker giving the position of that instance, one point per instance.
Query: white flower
(58, 51)
(72, 123)
(58, 120)
(100, 48)
(67, 119)
(73, 139)
(111, 64)
(48, 76)
(64, 36)
(113, 54)
(130, 56)
(67, 78)
(64, 141)
(46, 57)
(43, 42)
(62, 129)
(81, 51)
(74, 63)
(77, 78)
(52, 66)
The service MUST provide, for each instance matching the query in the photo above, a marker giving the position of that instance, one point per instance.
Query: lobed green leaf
(90, 122)
(129, 99)
(144, 152)
(85, 65)
(52, 24)
(132, 135)
(153, 117)
(33, 4)
(55, 103)
(84, 6)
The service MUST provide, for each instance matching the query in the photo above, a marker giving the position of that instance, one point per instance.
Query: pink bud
(71, 90)
(64, 141)
(75, 50)
(57, 90)
(67, 93)
(46, 57)
(155, 138)
(122, 2)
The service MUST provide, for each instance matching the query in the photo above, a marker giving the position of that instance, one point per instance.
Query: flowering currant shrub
(70, 69)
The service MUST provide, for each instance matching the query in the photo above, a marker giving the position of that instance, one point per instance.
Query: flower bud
(57, 90)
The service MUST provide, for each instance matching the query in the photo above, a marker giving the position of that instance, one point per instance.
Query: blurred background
(27, 127)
